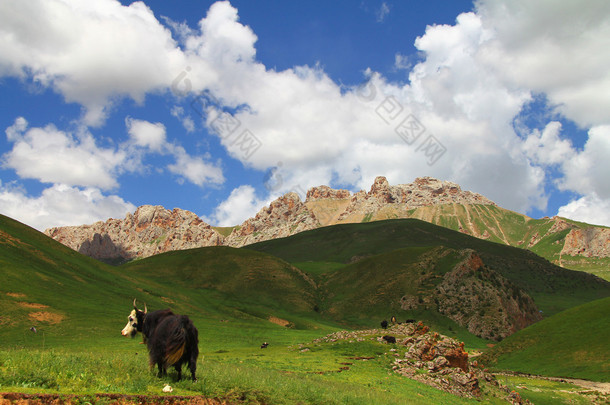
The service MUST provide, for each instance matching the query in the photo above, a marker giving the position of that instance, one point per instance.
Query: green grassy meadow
(575, 340)
(238, 299)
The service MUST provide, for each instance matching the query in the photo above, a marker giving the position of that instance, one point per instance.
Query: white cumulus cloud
(146, 134)
(556, 48)
(587, 171)
(195, 169)
(590, 209)
(547, 147)
(61, 205)
(53, 156)
(88, 51)
(453, 119)
(239, 206)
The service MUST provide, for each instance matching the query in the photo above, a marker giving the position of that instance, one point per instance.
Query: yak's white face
(132, 325)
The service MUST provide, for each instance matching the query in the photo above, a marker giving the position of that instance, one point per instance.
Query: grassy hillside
(237, 298)
(78, 306)
(56, 290)
(573, 343)
(553, 288)
(500, 225)
(488, 222)
(443, 286)
(229, 281)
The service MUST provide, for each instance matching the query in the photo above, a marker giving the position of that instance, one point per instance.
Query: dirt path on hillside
(602, 387)
(10, 398)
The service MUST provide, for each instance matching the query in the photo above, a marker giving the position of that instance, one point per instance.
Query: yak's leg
(193, 367)
(178, 368)
(162, 370)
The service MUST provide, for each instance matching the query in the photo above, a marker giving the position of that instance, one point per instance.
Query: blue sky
(220, 107)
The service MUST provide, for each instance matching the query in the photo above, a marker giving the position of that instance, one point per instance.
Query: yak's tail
(177, 343)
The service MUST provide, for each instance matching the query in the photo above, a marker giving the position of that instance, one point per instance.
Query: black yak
(172, 339)
(389, 339)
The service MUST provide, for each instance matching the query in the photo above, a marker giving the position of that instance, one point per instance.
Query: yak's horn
(145, 309)
(134, 304)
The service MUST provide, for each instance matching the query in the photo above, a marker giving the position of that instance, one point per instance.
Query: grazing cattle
(264, 345)
(384, 324)
(172, 339)
(389, 339)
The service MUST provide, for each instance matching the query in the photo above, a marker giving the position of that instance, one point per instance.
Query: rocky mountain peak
(153, 229)
(285, 216)
(148, 231)
(381, 190)
(380, 185)
(325, 193)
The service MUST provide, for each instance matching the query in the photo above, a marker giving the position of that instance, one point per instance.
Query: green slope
(573, 343)
(500, 225)
(222, 277)
(55, 289)
(72, 299)
(553, 288)
(236, 298)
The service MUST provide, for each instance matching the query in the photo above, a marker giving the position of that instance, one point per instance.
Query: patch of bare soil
(280, 321)
(602, 387)
(45, 316)
(168, 300)
(16, 295)
(16, 398)
(33, 305)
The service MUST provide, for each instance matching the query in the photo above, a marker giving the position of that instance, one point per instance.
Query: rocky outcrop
(285, 216)
(588, 242)
(559, 224)
(420, 354)
(326, 193)
(386, 201)
(148, 231)
(484, 301)
(436, 360)
(479, 299)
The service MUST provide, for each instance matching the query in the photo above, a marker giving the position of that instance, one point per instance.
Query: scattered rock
(429, 357)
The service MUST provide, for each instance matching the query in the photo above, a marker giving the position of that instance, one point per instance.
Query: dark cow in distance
(172, 339)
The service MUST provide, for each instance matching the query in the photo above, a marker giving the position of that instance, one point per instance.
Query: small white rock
(167, 388)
